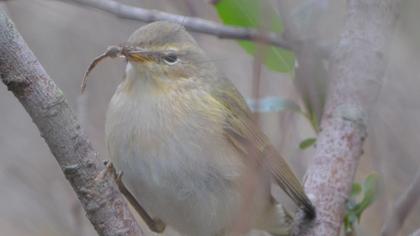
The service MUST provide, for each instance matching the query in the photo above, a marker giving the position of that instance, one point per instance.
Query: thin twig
(402, 208)
(195, 24)
(23, 75)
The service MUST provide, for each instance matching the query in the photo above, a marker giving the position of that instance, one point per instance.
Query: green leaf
(355, 209)
(349, 220)
(369, 194)
(356, 189)
(250, 13)
(314, 121)
(307, 143)
(271, 104)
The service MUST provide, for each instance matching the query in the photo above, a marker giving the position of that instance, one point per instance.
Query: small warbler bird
(190, 153)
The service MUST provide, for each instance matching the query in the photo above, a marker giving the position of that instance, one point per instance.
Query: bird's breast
(174, 157)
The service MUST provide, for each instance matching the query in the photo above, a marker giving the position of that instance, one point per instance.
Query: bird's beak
(137, 55)
(134, 54)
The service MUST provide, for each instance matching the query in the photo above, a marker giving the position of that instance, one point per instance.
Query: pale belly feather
(172, 167)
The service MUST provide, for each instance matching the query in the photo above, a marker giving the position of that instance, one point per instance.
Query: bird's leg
(155, 225)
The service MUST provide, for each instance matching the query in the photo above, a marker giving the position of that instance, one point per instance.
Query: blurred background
(36, 199)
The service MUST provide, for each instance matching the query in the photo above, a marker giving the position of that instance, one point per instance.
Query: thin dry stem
(195, 24)
(112, 52)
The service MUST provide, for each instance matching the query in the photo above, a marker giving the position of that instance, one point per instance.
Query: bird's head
(166, 54)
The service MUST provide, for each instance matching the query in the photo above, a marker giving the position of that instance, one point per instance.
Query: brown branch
(22, 73)
(402, 208)
(357, 67)
(195, 24)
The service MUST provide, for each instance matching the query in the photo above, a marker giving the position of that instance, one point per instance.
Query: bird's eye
(170, 59)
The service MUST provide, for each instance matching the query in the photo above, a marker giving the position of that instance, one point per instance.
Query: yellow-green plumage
(242, 131)
(187, 144)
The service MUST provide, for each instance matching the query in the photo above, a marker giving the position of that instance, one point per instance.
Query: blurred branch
(310, 74)
(214, 2)
(191, 23)
(402, 208)
(22, 73)
(357, 68)
(416, 233)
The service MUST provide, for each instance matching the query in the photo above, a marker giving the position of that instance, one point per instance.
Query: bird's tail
(279, 222)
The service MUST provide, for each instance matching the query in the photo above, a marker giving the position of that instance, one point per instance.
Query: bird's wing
(241, 130)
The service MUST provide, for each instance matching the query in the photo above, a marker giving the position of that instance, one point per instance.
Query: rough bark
(357, 66)
(23, 75)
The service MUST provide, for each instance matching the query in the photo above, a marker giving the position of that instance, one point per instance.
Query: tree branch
(402, 208)
(195, 24)
(22, 73)
(357, 67)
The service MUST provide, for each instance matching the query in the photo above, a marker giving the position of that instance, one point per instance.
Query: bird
(189, 151)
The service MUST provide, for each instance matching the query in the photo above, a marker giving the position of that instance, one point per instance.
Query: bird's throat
(140, 81)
